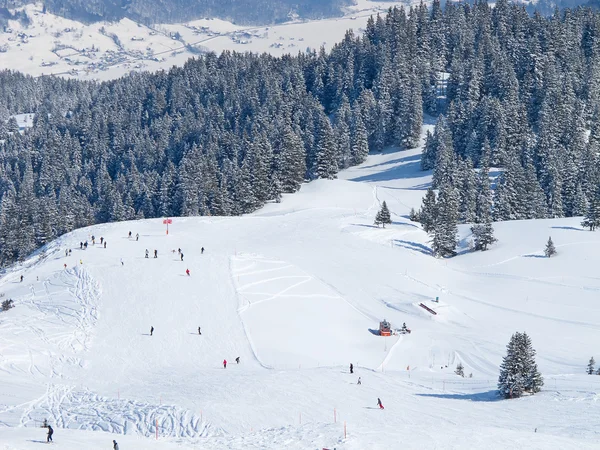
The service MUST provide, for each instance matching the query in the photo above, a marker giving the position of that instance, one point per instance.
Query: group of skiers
(84, 245)
(237, 360)
(51, 432)
(360, 382)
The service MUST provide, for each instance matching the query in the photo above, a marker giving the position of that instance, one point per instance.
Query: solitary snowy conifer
(590, 366)
(383, 216)
(460, 370)
(518, 371)
(550, 249)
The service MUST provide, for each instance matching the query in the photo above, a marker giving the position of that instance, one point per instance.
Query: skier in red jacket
(224, 364)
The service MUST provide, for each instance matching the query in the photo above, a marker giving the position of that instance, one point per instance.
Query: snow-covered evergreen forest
(225, 134)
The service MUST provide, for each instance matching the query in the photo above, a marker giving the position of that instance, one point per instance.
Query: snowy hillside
(54, 45)
(296, 291)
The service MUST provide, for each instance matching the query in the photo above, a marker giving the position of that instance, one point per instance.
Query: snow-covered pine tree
(590, 366)
(483, 231)
(460, 370)
(428, 212)
(510, 381)
(445, 231)
(550, 249)
(327, 151)
(413, 215)
(591, 219)
(518, 371)
(383, 216)
(359, 138)
(532, 376)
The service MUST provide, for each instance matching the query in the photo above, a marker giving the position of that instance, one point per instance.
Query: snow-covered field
(103, 51)
(294, 290)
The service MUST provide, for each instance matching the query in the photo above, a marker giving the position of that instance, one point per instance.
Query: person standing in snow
(21, 278)
(237, 360)
(50, 433)
(199, 331)
(101, 240)
(181, 255)
(224, 364)
(156, 253)
(151, 330)
(202, 251)
(137, 236)
(66, 252)
(115, 445)
(187, 271)
(359, 382)
(130, 234)
(379, 403)
(104, 244)
(351, 368)
(80, 245)
(147, 253)
(122, 263)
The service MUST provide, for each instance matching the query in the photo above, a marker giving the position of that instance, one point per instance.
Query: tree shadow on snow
(375, 332)
(363, 225)
(395, 161)
(413, 246)
(489, 396)
(403, 171)
(568, 228)
(406, 224)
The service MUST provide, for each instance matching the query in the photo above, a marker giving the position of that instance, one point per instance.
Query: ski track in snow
(63, 314)
(68, 407)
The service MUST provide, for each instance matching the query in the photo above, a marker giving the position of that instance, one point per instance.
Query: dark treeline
(225, 134)
(171, 11)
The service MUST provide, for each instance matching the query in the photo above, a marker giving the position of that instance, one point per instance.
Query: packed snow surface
(297, 291)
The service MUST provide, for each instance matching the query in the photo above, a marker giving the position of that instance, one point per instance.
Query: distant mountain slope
(162, 11)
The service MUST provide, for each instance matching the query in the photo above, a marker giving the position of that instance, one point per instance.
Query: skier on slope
(199, 331)
(130, 234)
(187, 271)
(101, 240)
(21, 278)
(181, 255)
(50, 433)
(351, 368)
(156, 253)
(379, 403)
(151, 330)
(202, 251)
(137, 236)
(359, 382)
(224, 364)
(147, 253)
(115, 445)
(237, 360)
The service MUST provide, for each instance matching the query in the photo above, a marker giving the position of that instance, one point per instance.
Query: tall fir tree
(518, 371)
(445, 232)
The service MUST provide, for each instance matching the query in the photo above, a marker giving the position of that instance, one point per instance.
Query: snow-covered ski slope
(296, 291)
